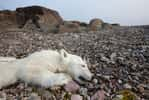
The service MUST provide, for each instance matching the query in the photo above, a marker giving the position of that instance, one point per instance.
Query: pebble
(83, 91)
(20, 86)
(76, 97)
(34, 96)
(46, 95)
(99, 95)
(95, 81)
(125, 43)
(3, 96)
(127, 86)
(113, 56)
(120, 81)
(141, 88)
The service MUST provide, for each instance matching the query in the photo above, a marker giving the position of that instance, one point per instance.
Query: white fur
(7, 59)
(46, 68)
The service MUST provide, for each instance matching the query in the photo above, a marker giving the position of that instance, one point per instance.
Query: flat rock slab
(72, 87)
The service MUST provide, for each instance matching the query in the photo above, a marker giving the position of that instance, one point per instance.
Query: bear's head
(76, 67)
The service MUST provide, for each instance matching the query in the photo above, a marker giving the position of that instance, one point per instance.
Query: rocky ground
(118, 58)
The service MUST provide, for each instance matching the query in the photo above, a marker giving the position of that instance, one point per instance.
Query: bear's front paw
(64, 79)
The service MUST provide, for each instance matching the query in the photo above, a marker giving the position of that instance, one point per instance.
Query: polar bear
(46, 68)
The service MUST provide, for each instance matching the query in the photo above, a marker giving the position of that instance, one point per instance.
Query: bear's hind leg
(7, 74)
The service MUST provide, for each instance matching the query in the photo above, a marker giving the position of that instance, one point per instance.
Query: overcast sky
(125, 12)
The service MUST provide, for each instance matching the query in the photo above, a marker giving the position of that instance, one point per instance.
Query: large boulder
(69, 26)
(32, 17)
(7, 19)
(83, 27)
(43, 18)
(95, 24)
(7, 15)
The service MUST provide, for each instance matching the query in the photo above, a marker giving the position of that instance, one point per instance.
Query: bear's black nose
(83, 79)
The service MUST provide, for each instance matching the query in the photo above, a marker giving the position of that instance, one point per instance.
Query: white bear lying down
(46, 68)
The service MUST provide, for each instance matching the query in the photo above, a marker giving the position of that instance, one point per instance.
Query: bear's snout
(87, 77)
(90, 76)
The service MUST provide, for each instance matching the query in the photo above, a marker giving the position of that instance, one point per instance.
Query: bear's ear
(84, 59)
(63, 53)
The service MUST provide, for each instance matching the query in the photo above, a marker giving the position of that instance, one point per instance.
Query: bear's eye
(83, 65)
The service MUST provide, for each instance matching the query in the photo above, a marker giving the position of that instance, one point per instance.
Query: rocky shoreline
(118, 57)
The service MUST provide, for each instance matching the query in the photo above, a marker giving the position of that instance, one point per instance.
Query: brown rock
(43, 18)
(95, 24)
(69, 27)
(81, 24)
(7, 19)
(7, 15)
(77, 22)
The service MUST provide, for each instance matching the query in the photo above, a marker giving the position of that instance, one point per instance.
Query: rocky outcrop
(7, 19)
(46, 20)
(7, 15)
(41, 17)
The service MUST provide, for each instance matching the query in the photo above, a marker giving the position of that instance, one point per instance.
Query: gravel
(118, 58)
